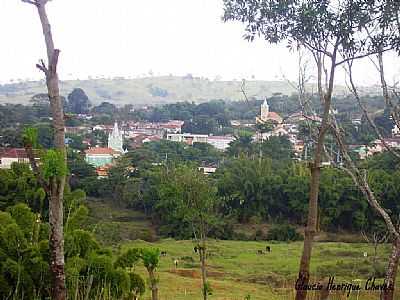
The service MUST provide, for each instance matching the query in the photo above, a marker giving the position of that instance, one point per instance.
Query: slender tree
(329, 30)
(190, 197)
(151, 259)
(199, 203)
(55, 175)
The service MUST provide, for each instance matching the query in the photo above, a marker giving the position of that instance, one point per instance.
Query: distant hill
(151, 90)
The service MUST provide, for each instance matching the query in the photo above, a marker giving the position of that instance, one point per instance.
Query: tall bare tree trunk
(391, 272)
(315, 166)
(394, 259)
(202, 252)
(361, 181)
(57, 184)
(153, 285)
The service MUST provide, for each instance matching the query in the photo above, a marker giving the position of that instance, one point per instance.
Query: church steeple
(115, 130)
(115, 139)
(264, 110)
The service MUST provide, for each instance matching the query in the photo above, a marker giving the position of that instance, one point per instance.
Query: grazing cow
(268, 249)
(163, 253)
(260, 252)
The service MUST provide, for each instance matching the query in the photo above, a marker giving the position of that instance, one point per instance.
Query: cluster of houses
(138, 133)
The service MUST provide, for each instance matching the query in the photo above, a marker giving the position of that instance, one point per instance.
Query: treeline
(249, 188)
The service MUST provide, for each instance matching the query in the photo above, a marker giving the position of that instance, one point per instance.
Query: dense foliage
(24, 246)
(253, 183)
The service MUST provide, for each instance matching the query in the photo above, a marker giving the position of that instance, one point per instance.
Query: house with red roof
(267, 115)
(99, 156)
(8, 156)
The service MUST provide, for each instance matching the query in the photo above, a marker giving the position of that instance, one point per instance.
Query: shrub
(137, 285)
(259, 235)
(128, 259)
(283, 232)
(255, 220)
(79, 243)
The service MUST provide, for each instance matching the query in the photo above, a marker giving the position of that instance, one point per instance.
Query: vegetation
(122, 91)
(157, 210)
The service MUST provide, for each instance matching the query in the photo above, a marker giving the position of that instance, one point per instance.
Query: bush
(259, 235)
(241, 236)
(137, 285)
(253, 220)
(284, 232)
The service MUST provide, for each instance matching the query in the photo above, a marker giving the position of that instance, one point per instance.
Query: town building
(8, 156)
(187, 138)
(300, 117)
(267, 115)
(102, 172)
(208, 170)
(220, 142)
(99, 156)
(115, 139)
(76, 130)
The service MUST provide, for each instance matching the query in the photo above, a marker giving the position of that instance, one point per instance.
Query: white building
(115, 139)
(208, 170)
(267, 115)
(220, 142)
(187, 138)
(13, 155)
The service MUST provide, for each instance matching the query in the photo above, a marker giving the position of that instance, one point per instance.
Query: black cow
(268, 249)
(260, 252)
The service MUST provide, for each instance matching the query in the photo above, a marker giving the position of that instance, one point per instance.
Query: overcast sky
(130, 38)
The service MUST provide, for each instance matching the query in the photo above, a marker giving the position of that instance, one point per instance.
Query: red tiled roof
(274, 116)
(171, 126)
(15, 153)
(100, 150)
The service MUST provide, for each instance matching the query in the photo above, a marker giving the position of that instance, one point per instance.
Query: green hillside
(151, 90)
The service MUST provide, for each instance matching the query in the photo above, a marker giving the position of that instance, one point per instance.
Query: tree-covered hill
(152, 90)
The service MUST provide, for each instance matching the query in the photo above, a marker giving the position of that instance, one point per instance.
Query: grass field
(235, 269)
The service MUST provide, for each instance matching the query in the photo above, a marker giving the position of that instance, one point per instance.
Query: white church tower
(115, 139)
(264, 111)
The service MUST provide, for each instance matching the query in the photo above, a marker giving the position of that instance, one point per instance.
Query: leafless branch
(347, 59)
(30, 2)
(360, 180)
(242, 89)
(354, 91)
(42, 67)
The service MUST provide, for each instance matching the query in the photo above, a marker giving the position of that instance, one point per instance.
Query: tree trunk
(57, 185)
(391, 271)
(153, 285)
(362, 182)
(311, 228)
(202, 252)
